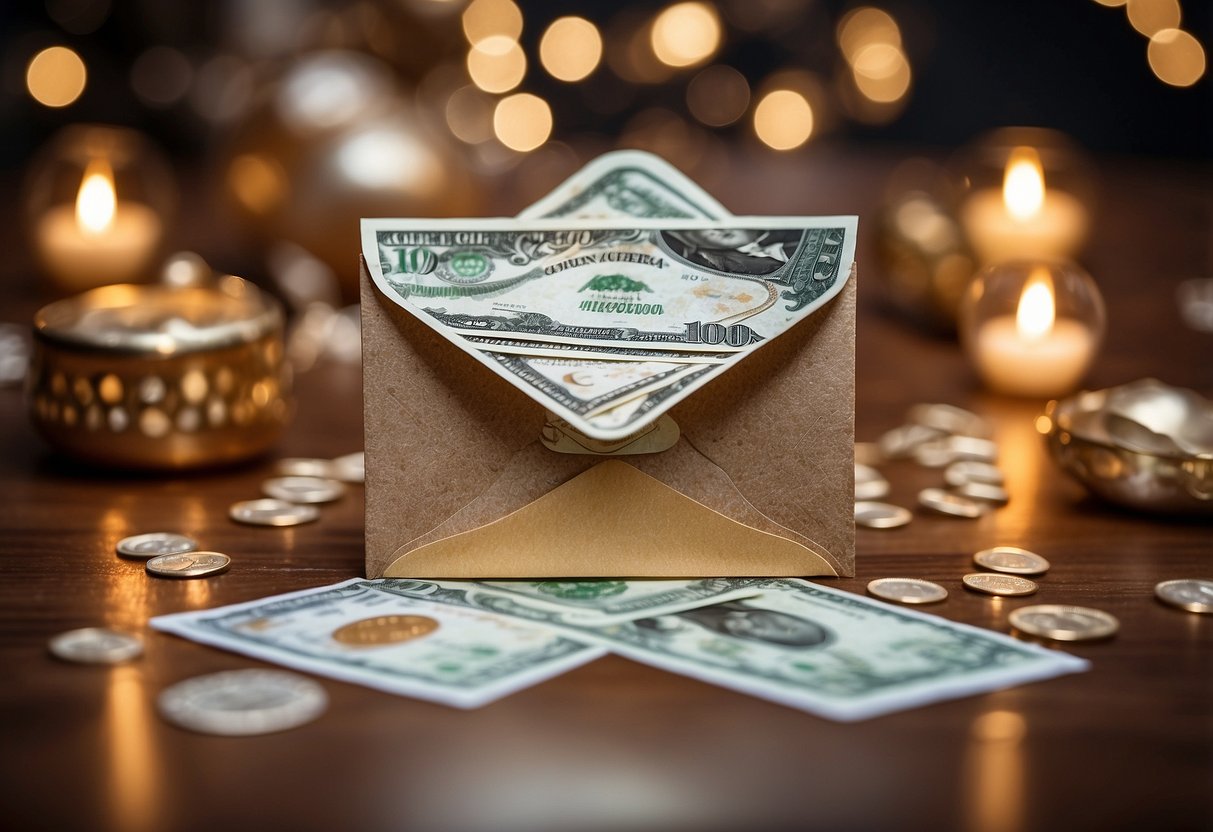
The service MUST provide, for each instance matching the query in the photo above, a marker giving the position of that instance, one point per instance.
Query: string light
(522, 121)
(1152, 16)
(496, 64)
(570, 48)
(485, 18)
(1176, 57)
(56, 76)
(783, 119)
(685, 34)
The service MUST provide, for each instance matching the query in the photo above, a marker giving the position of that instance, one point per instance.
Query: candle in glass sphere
(1033, 352)
(1024, 219)
(101, 239)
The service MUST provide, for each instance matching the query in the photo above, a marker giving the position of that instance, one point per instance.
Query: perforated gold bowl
(159, 377)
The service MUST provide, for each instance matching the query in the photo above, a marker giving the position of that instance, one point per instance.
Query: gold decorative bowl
(161, 377)
(1099, 439)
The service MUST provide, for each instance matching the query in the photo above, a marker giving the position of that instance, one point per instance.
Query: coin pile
(935, 436)
(304, 483)
(172, 555)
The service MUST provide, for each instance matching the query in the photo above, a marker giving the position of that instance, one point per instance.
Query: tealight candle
(1024, 219)
(1017, 339)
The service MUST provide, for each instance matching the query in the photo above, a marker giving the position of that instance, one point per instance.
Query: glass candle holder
(97, 201)
(1025, 195)
(1032, 328)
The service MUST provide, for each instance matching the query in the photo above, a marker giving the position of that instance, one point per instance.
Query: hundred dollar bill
(627, 183)
(831, 653)
(408, 644)
(715, 287)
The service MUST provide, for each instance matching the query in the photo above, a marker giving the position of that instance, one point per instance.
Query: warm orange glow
(496, 64)
(486, 18)
(1023, 184)
(685, 34)
(882, 73)
(1150, 17)
(1176, 58)
(1036, 311)
(783, 119)
(469, 114)
(866, 26)
(56, 76)
(570, 49)
(522, 122)
(96, 200)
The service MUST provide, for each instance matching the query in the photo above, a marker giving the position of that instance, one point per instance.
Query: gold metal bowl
(161, 377)
(1142, 472)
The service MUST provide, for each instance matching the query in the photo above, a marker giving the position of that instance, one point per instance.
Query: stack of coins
(172, 555)
(304, 483)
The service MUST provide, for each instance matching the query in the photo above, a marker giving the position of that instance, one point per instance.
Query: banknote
(835, 654)
(512, 346)
(715, 287)
(412, 645)
(627, 183)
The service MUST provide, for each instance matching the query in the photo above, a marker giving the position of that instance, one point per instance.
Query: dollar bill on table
(713, 287)
(421, 639)
(831, 653)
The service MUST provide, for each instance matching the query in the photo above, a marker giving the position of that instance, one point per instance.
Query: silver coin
(969, 470)
(935, 453)
(239, 703)
(936, 499)
(984, 491)
(881, 515)
(1191, 594)
(948, 418)
(304, 467)
(993, 583)
(1011, 559)
(973, 448)
(303, 489)
(272, 513)
(350, 468)
(189, 565)
(868, 453)
(155, 543)
(1064, 623)
(900, 442)
(869, 484)
(907, 590)
(95, 645)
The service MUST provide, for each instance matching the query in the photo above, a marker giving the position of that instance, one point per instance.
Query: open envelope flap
(451, 448)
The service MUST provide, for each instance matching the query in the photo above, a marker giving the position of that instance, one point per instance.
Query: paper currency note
(412, 645)
(627, 183)
(511, 346)
(832, 653)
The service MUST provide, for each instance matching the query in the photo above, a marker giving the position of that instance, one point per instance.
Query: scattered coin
(189, 565)
(1191, 594)
(272, 513)
(941, 501)
(237, 703)
(384, 629)
(869, 484)
(935, 453)
(868, 453)
(973, 448)
(949, 419)
(984, 491)
(350, 468)
(1011, 559)
(95, 645)
(303, 489)
(881, 515)
(907, 590)
(305, 467)
(992, 583)
(968, 470)
(155, 543)
(901, 441)
(1064, 623)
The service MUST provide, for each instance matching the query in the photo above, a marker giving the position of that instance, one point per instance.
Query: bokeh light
(783, 119)
(1111, 3)
(488, 18)
(864, 27)
(1176, 57)
(522, 121)
(469, 115)
(685, 34)
(56, 76)
(570, 48)
(161, 76)
(1152, 16)
(718, 96)
(882, 73)
(80, 17)
(496, 64)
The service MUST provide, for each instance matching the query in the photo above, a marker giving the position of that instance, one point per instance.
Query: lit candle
(99, 240)
(1024, 220)
(1033, 352)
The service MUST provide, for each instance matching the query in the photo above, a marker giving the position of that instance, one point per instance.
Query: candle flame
(96, 201)
(1036, 313)
(1023, 185)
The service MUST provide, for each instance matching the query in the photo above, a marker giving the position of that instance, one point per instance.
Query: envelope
(467, 477)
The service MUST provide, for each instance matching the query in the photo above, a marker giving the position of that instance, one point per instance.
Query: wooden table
(616, 745)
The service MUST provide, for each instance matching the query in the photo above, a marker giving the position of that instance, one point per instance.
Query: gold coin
(384, 629)
(907, 590)
(1191, 594)
(1064, 623)
(1011, 559)
(994, 584)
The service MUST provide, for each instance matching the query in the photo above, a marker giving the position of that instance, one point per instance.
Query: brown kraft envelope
(459, 484)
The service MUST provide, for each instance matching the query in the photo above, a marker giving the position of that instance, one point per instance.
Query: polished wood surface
(616, 745)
